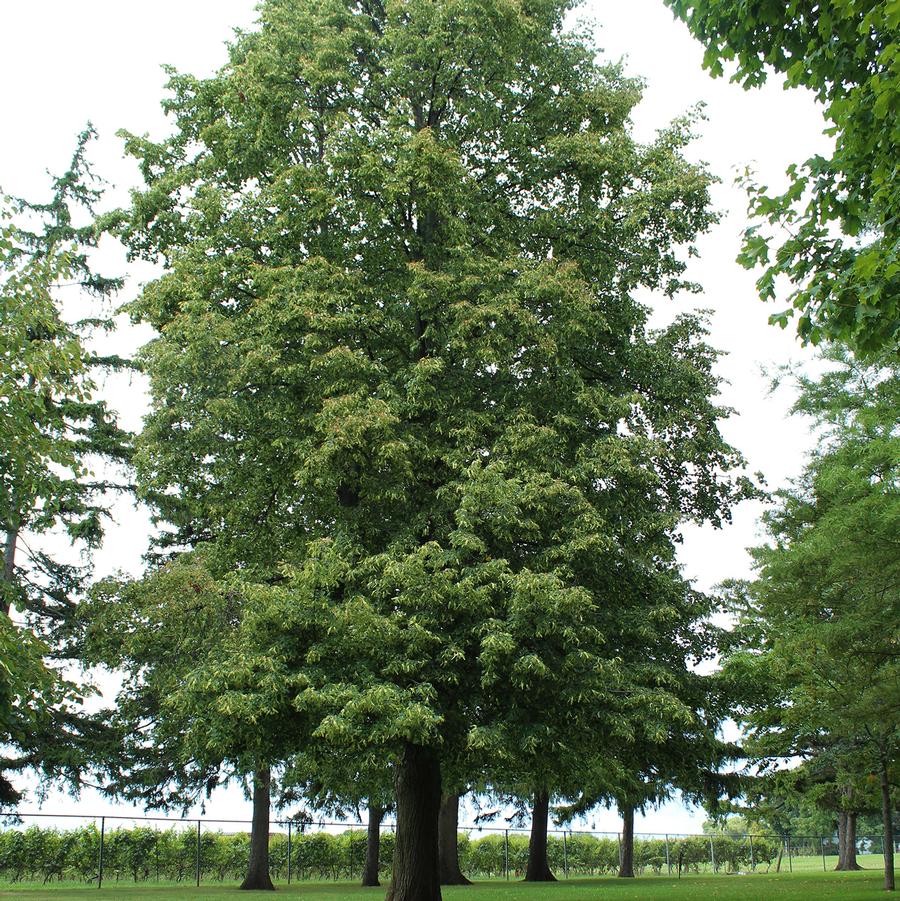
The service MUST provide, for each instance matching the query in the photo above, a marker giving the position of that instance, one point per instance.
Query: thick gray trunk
(258, 870)
(373, 846)
(626, 864)
(538, 866)
(448, 844)
(418, 787)
(847, 842)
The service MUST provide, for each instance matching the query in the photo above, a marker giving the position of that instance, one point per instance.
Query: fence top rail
(306, 824)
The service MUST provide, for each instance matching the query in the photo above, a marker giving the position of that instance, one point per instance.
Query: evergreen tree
(819, 625)
(169, 745)
(54, 432)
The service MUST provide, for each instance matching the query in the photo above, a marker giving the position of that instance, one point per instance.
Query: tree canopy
(819, 626)
(403, 389)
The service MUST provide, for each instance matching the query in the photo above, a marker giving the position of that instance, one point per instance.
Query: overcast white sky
(64, 63)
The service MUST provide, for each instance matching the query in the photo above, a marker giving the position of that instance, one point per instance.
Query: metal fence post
(198, 853)
(565, 857)
(712, 854)
(102, 836)
(668, 861)
(300, 850)
(752, 859)
(506, 852)
(824, 868)
(289, 851)
(790, 855)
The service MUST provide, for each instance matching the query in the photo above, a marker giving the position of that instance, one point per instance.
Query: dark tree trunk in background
(626, 864)
(258, 871)
(418, 786)
(7, 580)
(373, 846)
(887, 821)
(847, 842)
(538, 866)
(448, 847)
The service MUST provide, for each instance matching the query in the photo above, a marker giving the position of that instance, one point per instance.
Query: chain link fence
(52, 849)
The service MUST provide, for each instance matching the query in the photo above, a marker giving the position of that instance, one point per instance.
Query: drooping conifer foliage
(60, 448)
(404, 390)
(818, 629)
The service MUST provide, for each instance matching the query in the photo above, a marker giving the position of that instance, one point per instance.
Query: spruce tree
(55, 432)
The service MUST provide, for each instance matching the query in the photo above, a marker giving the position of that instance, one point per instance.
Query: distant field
(802, 885)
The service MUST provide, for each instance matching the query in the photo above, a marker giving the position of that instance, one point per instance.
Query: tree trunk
(538, 866)
(626, 864)
(842, 839)
(847, 842)
(258, 871)
(448, 847)
(9, 568)
(887, 821)
(418, 786)
(373, 846)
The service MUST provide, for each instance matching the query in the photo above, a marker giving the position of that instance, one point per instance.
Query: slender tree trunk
(418, 786)
(448, 844)
(626, 864)
(373, 846)
(258, 871)
(11, 536)
(887, 820)
(847, 842)
(538, 867)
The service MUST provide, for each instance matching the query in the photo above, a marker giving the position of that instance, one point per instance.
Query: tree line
(418, 462)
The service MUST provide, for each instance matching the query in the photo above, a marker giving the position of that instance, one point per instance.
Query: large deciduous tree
(835, 231)
(403, 386)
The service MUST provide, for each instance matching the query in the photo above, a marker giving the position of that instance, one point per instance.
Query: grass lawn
(799, 886)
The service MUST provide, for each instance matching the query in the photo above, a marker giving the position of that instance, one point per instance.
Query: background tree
(840, 215)
(174, 736)
(336, 783)
(679, 749)
(54, 432)
(402, 383)
(821, 620)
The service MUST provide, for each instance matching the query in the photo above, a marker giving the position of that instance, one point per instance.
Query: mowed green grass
(798, 886)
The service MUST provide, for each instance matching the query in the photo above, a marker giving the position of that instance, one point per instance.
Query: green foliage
(846, 286)
(163, 750)
(53, 432)
(402, 389)
(147, 854)
(818, 633)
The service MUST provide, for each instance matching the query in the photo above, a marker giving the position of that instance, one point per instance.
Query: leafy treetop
(841, 214)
